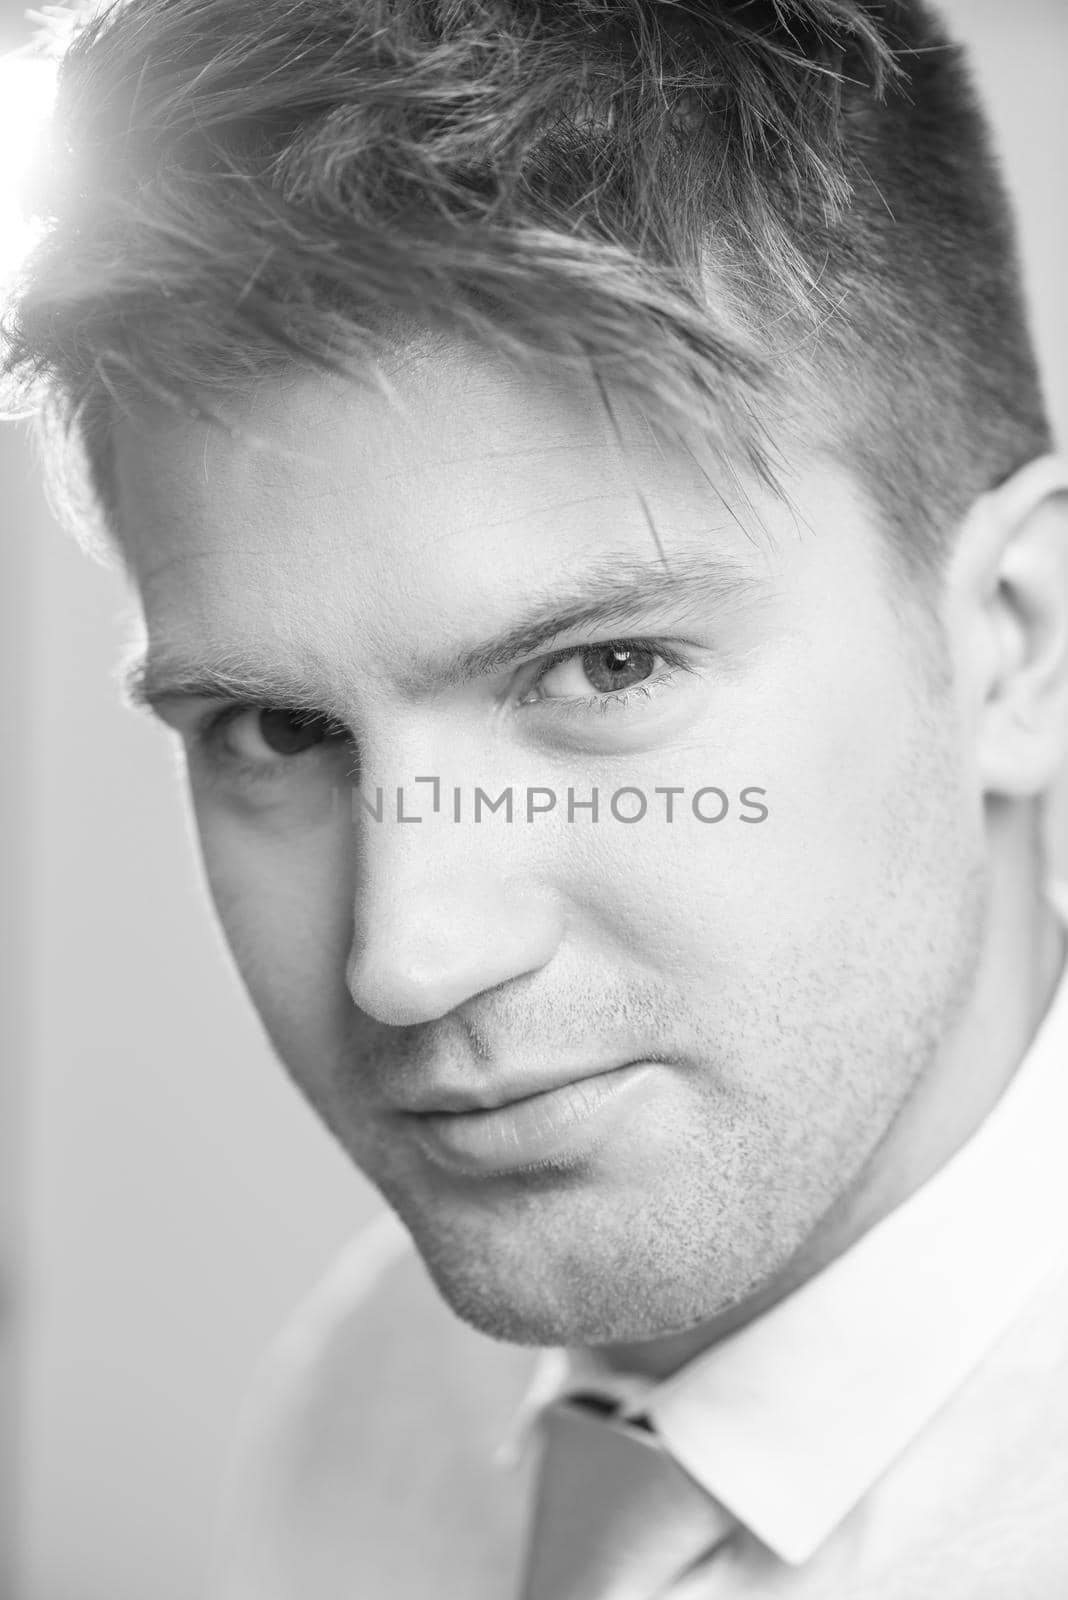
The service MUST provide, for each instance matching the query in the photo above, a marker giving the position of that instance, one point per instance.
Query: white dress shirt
(895, 1429)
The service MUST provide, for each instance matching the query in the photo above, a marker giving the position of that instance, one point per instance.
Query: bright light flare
(27, 91)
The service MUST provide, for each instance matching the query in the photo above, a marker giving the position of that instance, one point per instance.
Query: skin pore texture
(832, 998)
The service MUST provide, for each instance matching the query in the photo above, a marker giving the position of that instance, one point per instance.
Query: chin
(574, 1261)
(554, 1302)
(619, 1317)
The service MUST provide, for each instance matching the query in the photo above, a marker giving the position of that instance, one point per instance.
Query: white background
(168, 1196)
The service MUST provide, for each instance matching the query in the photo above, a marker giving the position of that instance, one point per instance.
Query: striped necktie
(615, 1518)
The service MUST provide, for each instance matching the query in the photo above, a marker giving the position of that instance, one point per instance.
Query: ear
(1008, 584)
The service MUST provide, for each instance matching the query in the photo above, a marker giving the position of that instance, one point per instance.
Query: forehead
(434, 501)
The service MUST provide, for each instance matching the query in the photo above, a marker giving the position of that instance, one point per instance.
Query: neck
(1018, 974)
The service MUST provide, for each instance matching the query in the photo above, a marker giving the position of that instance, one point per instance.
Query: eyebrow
(149, 682)
(613, 594)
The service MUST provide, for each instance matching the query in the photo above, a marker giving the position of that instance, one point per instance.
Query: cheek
(284, 898)
(867, 819)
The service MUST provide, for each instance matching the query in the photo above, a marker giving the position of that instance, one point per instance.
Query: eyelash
(207, 736)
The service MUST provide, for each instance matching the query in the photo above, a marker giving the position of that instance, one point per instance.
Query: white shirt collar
(791, 1420)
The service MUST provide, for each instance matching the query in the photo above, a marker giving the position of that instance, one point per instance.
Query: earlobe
(1017, 564)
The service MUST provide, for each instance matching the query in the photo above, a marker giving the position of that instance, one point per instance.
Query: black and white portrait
(535, 570)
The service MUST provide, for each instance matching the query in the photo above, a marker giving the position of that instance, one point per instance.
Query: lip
(546, 1129)
(457, 1097)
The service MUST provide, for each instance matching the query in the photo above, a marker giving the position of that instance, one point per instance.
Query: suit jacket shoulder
(369, 1456)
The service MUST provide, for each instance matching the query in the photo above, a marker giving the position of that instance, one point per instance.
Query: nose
(437, 923)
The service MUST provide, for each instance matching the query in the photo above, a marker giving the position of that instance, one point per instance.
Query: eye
(260, 735)
(290, 733)
(607, 668)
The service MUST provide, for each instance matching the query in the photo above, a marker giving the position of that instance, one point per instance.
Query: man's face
(466, 587)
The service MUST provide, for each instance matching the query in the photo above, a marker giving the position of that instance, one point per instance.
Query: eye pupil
(616, 666)
(289, 733)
